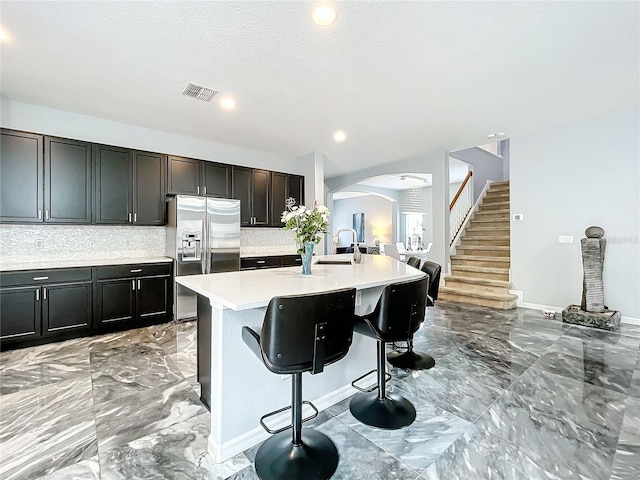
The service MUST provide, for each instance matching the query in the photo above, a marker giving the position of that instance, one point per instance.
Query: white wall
(485, 166)
(564, 180)
(378, 213)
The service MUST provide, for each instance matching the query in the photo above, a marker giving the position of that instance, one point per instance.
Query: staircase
(480, 267)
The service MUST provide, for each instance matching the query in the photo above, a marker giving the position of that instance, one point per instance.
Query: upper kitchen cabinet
(67, 181)
(187, 176)
(44, 179)
(284, 186)
(252, 187)
(129, 186)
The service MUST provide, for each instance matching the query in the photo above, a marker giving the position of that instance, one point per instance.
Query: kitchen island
(236, 386)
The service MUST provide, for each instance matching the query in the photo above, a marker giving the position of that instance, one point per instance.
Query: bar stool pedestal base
(316, 458)
(392, 412)
(410, 360)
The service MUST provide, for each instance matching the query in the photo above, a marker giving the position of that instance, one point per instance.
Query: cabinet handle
(136, 270)
(41, 278)
(44, 293)
(129, 218)
(39, 214)
(46, 214)
(38, 294)
(135, 217)
(205, 190)
(198, 190)
(133, 285)
(138, 284)
(261, 261)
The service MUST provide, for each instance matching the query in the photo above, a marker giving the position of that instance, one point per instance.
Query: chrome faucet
(357, 256)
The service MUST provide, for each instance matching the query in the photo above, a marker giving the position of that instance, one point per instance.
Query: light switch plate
(565, 239)
(518, 217)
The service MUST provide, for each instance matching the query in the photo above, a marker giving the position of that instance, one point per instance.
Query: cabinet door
(261, 197)
(183, 177)
(20, 313)
(67, 186)
(66, 307)
(21, 177)
(113, 179)
(295, 188)
(153, 297)
(114, 301)
(217, 180)
(278, 197)
(242, 192)
(149, 204)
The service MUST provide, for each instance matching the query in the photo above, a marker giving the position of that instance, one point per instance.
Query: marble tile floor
(513, 395)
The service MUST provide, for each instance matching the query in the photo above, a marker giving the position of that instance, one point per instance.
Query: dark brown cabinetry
(44, 303)
(129, 186)
(252, 187)
(44, 179)
(133, 294)
(269, 261)
(188, 176)
(284, 186)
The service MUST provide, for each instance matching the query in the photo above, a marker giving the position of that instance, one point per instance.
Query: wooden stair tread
(474, 269)
(474, 293)
(484, 258)
(479, 281)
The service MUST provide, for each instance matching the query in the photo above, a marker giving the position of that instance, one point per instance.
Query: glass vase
(307, 256)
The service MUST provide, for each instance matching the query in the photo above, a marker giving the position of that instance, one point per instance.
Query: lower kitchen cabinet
(133, 294)
(41, 306)
(44, 303)
(269, 261)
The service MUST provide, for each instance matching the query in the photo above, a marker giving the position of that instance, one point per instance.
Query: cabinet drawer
(290, 260)
(37, 277)
(251, 263)
(134, 270)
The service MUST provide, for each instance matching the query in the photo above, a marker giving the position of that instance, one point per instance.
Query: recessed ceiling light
(340, 136)
(501, 135)
(491, 136)
(324, 15)
(228, 103)
(4, 36)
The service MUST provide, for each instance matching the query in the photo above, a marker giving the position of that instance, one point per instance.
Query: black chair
(433, 270)
(397, 315)
(301, 334)
(414, 262)
(409, 359)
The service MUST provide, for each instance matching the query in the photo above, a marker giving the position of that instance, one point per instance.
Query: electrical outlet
(518, 217)
(358, 299)
(39, 243)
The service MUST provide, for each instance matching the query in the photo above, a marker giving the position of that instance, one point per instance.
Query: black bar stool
(410, 359)
(413, 262)
(301, 334)
(397, 315)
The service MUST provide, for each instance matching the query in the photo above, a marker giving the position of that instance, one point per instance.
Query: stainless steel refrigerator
(203, 237)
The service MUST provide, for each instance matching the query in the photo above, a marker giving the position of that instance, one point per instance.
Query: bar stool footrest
(276, 412)
(374, 387)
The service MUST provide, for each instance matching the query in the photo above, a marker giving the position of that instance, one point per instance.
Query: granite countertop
(94, 262)
(254, 288)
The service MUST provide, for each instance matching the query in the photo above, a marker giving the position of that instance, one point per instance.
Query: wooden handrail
(466, 179)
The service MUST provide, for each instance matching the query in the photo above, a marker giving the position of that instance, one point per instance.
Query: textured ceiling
(401, 78)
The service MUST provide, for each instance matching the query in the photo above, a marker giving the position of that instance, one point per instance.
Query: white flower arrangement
(308, 225)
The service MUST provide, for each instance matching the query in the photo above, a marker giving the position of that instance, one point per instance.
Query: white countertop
(94, 262)
(255, 288)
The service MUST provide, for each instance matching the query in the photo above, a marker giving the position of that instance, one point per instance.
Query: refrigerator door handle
(204, 249)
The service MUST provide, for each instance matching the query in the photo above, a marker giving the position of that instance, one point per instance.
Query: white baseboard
(541, 307)
(239, 444)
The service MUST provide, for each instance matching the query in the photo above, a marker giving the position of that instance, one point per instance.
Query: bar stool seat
(397, 315)
(301, 334)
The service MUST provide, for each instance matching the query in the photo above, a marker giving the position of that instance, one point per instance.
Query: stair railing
(460, 207)
(474, 208)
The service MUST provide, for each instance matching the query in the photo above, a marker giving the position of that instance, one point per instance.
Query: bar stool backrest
(400, 309)
(304, 333)
(414, 262)
(433, 270)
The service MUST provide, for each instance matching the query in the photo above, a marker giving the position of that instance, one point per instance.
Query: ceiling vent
(199, 92)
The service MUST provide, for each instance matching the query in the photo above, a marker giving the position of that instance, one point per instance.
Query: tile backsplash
(266, 240)
(85, 242)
